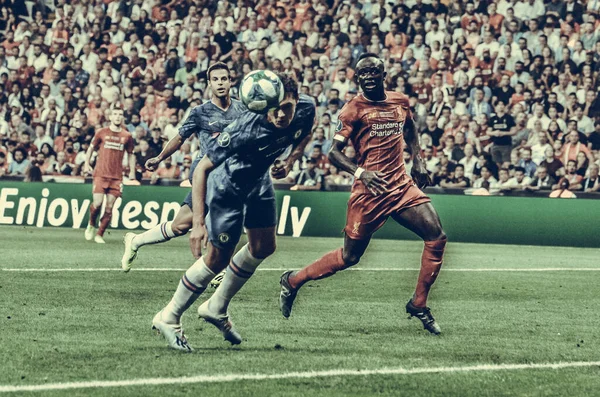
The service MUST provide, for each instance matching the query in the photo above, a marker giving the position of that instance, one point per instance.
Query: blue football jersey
(246, 149)
(207, 121)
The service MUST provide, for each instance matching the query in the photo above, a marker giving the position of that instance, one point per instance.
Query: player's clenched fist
(198, 240)
(152, 163)
(279, 170)
(374, 182)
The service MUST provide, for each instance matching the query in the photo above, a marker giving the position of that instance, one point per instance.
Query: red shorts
(367, 213)
(114, 187)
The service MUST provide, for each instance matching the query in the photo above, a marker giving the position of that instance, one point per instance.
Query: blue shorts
(230, 210)
(188, 200)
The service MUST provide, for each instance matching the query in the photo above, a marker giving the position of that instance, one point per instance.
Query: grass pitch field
(498, 306)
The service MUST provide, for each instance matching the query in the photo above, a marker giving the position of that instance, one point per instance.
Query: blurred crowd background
(505, 93)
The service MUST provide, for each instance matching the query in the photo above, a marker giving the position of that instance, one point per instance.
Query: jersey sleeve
(190, 125)
(346, 120)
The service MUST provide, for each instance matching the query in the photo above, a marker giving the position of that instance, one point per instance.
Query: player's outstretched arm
(172, 146)
(371, 179)
(199, 234)
(419, 171)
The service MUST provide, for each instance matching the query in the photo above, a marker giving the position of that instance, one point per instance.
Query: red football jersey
(111, 147)
(376, 130)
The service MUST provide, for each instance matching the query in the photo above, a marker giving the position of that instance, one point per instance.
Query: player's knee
(107, 212)
(437, 234)
(350, 259)
(262, 250)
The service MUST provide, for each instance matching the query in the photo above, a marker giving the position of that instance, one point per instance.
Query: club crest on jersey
(355, 227)
(223, 238)
(224, 139)
(297, 134)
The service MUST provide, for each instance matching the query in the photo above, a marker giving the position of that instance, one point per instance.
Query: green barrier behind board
(498, 220)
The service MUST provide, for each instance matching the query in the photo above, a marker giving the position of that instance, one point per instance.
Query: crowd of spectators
(505, 93)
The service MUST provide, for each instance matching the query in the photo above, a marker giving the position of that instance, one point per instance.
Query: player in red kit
(379, 125)
(111, 143)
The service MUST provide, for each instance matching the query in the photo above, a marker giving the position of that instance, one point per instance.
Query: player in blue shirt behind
(233, 181)
(205, 121)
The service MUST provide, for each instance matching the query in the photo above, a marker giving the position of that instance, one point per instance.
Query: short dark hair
(20, 149)
(290, 86)
(520, 169)
(368, 55)
(217, 66)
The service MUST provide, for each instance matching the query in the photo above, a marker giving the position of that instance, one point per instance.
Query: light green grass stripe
(293, 375)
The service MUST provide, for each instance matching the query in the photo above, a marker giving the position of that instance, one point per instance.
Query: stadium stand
(505, 93)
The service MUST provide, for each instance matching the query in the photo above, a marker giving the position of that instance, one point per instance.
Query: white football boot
(90, 231)
(222, 323)
(99, 239)
(130, 254)
(173, 334)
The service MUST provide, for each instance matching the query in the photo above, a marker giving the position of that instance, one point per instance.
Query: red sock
(94, 212)
(431, 262)
(324, 267)
(104, 221)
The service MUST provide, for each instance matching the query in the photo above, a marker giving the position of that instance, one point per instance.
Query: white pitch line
(359, 269)
(292, 375)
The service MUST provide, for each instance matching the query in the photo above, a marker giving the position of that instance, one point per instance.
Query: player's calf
(431, 263)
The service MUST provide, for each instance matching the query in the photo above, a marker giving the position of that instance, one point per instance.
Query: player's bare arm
(131, 159)
(199, 234)
(419, 171)
(87, 168)
(371, 179)
(172, 146)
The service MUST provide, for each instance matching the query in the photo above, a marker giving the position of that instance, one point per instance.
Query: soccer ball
(261, 90)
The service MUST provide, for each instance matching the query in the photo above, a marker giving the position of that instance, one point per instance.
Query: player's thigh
(354, 249)
(97, 199)
(423, 220)
(260, 209)
(110, 201)
(217, 259)
(183, 221)
(225, 218)
(262, 241)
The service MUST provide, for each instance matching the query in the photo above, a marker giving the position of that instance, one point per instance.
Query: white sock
(158, 234)
(240, 269)
(192, 285)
